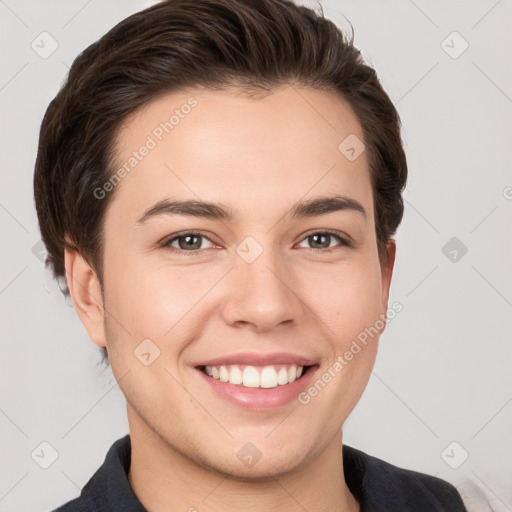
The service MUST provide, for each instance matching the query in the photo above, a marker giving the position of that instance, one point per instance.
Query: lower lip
(260, 398)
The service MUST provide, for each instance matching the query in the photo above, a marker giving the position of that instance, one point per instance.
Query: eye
(187, 242)
(322, 240)
(192, 242)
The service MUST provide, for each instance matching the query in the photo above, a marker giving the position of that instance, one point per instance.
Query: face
(281, 272)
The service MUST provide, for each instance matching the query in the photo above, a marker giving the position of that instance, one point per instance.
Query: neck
(164, 479)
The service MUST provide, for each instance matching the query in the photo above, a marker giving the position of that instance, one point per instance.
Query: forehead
(225, 146)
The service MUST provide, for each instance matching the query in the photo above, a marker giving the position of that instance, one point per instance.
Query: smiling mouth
(267, 377)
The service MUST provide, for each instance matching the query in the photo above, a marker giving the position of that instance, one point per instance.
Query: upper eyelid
(331, 232)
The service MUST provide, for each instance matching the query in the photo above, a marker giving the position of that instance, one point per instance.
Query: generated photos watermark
(355, 348)
(152, 140)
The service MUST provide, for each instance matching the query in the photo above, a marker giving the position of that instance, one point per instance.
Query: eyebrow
(302, 209)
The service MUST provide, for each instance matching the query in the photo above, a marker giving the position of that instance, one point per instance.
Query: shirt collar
(377, 485)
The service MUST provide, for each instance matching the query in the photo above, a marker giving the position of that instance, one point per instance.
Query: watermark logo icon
(39, 251)
(44, 45)
(249, 455)
(454, 45)
(44, 455)
(147, 352)
(352, 147)
(454, 249)
(249, 249)
(454, 455)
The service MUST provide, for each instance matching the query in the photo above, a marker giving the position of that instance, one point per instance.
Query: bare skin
(258, 157)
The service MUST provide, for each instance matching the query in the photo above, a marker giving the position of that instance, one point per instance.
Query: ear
(85, 291)
(387, 272)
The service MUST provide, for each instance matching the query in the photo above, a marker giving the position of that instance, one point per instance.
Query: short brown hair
(215, 44)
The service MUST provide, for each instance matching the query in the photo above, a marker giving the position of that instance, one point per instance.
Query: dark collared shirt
(377, 485)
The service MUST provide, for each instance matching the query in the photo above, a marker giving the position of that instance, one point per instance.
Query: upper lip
(254, 359)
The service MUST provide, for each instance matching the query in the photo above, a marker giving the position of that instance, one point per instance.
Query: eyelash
(167, 243)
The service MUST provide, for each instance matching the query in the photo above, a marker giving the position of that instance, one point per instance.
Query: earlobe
(85, 291)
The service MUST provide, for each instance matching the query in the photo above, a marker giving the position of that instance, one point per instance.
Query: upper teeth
(255, 376)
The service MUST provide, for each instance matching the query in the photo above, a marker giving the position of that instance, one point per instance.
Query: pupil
(189, 242)
(325, 237)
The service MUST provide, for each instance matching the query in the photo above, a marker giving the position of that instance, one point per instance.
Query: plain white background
(443, 369)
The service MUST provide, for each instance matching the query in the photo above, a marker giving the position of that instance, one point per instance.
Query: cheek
(157, 302)
(347, 299)
(349, 303)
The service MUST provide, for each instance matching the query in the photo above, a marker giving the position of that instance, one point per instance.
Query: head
(268, 112)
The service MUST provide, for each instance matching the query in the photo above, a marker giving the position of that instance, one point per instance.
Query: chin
(262, 471)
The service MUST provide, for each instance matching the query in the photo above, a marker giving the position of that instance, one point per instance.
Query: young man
(219, 182)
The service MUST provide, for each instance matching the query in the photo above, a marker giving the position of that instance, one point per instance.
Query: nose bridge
(264, 293)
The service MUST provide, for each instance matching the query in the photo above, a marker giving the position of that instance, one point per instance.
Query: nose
(262, 294)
